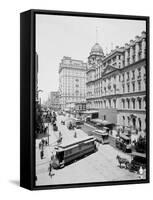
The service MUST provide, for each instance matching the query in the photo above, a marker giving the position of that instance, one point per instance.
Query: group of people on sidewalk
(42, 143)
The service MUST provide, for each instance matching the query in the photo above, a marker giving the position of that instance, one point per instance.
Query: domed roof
(97, 49)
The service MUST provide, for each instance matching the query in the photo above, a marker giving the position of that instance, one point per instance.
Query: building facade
(54, 103)
(116, 83)
(72, 81)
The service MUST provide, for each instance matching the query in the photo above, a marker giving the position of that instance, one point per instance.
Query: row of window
(131, 104)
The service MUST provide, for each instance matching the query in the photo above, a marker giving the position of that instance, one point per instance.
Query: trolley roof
(75, 141)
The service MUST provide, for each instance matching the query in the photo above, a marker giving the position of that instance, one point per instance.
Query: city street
(98, 167)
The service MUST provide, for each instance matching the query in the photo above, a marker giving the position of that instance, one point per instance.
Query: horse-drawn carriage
(137, 160)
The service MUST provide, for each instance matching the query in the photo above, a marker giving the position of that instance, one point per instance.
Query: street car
(70, 151)
(101, 136)
(78, 123)
(123, 142)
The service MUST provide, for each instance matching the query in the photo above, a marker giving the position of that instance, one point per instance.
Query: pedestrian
(50, 169)
(52, 157)
(141, 172)
(60, 134)
(41, 154)
(75, 134)
(39, 145)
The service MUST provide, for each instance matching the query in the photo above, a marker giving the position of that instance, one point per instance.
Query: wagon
(138, 160)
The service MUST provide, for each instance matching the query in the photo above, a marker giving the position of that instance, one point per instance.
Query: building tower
(95, 59)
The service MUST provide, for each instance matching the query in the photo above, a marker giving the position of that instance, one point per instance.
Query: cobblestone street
(98, 167)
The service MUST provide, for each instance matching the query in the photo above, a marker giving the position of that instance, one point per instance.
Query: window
(128, 103)
(128, 87)
(109, 103)
(128, 121)
(139, 102)
(123, 87)
(123, 77)
(139, 72)
(123, 103)
(123, 121)
(128, 77)
(133, 103)
(133, 75)
(114, 103)
(133, 85)
(139, 85)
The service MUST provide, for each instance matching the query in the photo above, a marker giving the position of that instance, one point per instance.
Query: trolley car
(101, 136)
(67, 153)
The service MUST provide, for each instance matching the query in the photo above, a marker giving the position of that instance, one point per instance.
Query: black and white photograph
(90, 100)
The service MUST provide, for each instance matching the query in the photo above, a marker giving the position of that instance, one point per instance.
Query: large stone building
(116, 83)
(72, 81)
(54, 103)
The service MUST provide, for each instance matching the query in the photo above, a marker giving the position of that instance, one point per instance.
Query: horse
(122, 161)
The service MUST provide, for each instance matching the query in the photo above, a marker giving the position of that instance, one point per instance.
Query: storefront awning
(102, 122)
(90, 112)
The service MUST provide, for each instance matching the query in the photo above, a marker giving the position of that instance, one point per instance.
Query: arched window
(123, 118)
(139, 121)
(139, 103)
(128, 121)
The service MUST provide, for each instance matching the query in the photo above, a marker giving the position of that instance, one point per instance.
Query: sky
(58, 36)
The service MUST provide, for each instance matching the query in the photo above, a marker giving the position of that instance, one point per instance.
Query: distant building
(116, 83)
(80, 106)
(72, 81)
(54, 103)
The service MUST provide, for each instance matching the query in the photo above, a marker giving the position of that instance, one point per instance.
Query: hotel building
(72, 81)
(116, 83)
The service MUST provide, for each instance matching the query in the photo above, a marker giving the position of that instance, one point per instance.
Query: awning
(101, 132)
(138, 154)
(103, 122)
(90, 112)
